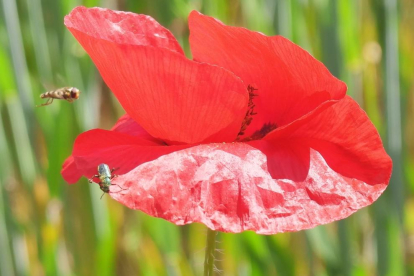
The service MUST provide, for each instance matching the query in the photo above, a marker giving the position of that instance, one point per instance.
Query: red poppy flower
(252, 134)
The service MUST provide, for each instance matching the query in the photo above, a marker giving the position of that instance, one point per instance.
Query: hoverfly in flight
(69, 94)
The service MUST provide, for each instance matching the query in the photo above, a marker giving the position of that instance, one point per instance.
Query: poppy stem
(210, 251)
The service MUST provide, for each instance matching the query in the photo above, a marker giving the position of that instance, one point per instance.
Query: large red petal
(117, 150)
(289, 80)
(126, 146)
(228, 188)
(347, 140)
(171, 97)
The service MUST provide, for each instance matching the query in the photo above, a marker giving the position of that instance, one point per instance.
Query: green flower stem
(210, 251)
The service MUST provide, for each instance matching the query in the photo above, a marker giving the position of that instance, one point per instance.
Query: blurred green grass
(50, 228)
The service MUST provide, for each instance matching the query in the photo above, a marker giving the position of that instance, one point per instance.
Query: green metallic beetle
(105, 176)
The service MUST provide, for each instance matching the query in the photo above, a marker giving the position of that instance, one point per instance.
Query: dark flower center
(248, 118)
(266, 128)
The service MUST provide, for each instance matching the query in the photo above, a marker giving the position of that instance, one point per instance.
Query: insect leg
(90, 180)
(49, 101)
(122, 189)
(113, 175)
(102, 195)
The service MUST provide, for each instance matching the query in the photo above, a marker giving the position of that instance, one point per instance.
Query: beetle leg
(122, 189)
(90, 180)
(102, 195)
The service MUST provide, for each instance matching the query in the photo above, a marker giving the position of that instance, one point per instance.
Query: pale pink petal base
(228, 188)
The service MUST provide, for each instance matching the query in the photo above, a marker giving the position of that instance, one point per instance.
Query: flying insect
(69, 94)
(105, 176)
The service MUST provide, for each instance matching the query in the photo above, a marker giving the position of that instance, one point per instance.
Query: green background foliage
(50, 228)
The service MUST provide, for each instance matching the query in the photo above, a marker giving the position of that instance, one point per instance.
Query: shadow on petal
(286, 159)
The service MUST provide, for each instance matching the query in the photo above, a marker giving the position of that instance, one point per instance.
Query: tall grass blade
(21, 140)
(18, 55)
(393, 104)
(6, 260)
(394, 142)
(39, 40)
